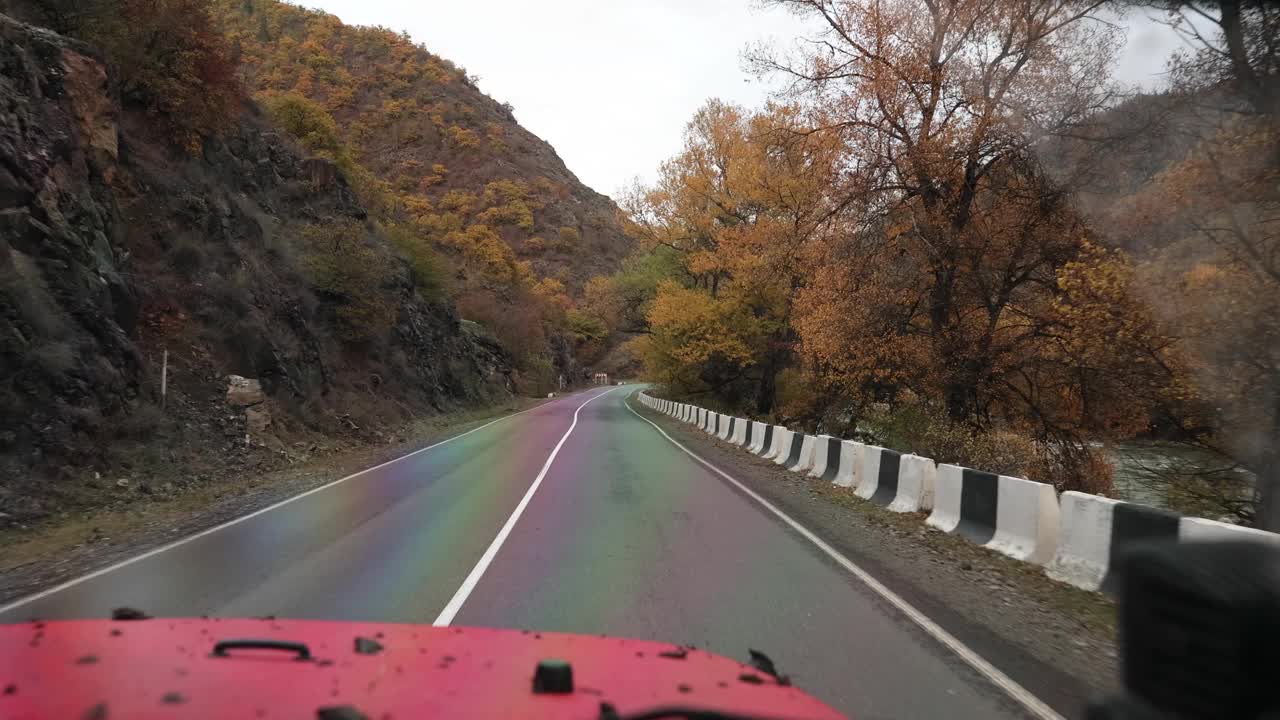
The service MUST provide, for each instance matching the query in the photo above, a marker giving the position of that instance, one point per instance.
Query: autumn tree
(737, 205)
(939, 104)
(169, 58)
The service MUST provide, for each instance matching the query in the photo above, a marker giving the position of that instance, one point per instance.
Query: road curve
(624, 534)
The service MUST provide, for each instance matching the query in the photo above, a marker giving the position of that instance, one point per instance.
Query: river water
(1176, 477)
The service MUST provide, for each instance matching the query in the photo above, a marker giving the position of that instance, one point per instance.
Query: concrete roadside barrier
(713, 425)
(784, 442)
(826, 458)
(915, 484)
(804, 458)
(847, 471)
(766, 440)
(741, 431)
(1026, 520)
(1084, 540)
(1095, 531)
(877, 475)
(726, 427)
(978, 498)
(757, 437)
(1194, 528)
(968, 503)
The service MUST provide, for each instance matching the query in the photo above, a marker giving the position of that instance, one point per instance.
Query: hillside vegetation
(445, 165)
(160, 220)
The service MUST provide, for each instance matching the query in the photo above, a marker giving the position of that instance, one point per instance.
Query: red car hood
(167, 667)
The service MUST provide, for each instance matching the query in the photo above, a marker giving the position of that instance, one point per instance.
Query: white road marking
(464, 591)
(1019, 694)
(103, 571)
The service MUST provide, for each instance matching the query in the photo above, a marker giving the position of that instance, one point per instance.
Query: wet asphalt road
(625, 535)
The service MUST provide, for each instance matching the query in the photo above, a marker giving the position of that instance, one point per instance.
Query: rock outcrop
(116, 247)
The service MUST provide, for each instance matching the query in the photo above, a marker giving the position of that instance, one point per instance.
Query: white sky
(611, 83)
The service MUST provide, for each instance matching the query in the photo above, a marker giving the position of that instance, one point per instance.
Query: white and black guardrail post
(1097, 530)
(804, 460)
(826, 458)
(1013, 516)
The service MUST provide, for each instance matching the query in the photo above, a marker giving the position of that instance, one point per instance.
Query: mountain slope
(442, 147)
(245, 257)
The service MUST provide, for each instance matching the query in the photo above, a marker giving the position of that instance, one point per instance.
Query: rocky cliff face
(117, 251)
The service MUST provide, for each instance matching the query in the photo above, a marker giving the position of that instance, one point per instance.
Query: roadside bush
(426, 265)
(138, 422)
(535, 377)
(920, 429)
(533, 246)
(308, 122)
(344, 268)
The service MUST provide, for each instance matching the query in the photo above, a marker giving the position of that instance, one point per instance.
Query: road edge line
(1008, 685)
(14, 605)
(454, 606)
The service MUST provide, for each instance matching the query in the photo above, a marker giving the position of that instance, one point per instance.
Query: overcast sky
(611, 83)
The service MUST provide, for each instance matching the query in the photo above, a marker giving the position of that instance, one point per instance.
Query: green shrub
(344, 267)
(924, 430)
(309, 123)
(426, 265)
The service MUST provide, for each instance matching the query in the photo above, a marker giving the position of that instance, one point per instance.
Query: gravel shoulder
(1055, 640)
(38, 557)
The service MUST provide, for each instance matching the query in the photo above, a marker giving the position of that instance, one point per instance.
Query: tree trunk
(767, 390)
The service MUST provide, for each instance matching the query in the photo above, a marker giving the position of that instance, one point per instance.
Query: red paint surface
(63, 669)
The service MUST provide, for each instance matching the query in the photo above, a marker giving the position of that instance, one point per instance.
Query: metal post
(164, 378)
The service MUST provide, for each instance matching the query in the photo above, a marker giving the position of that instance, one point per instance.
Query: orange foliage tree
(169, 57)
(951, 279)
(738, 205)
